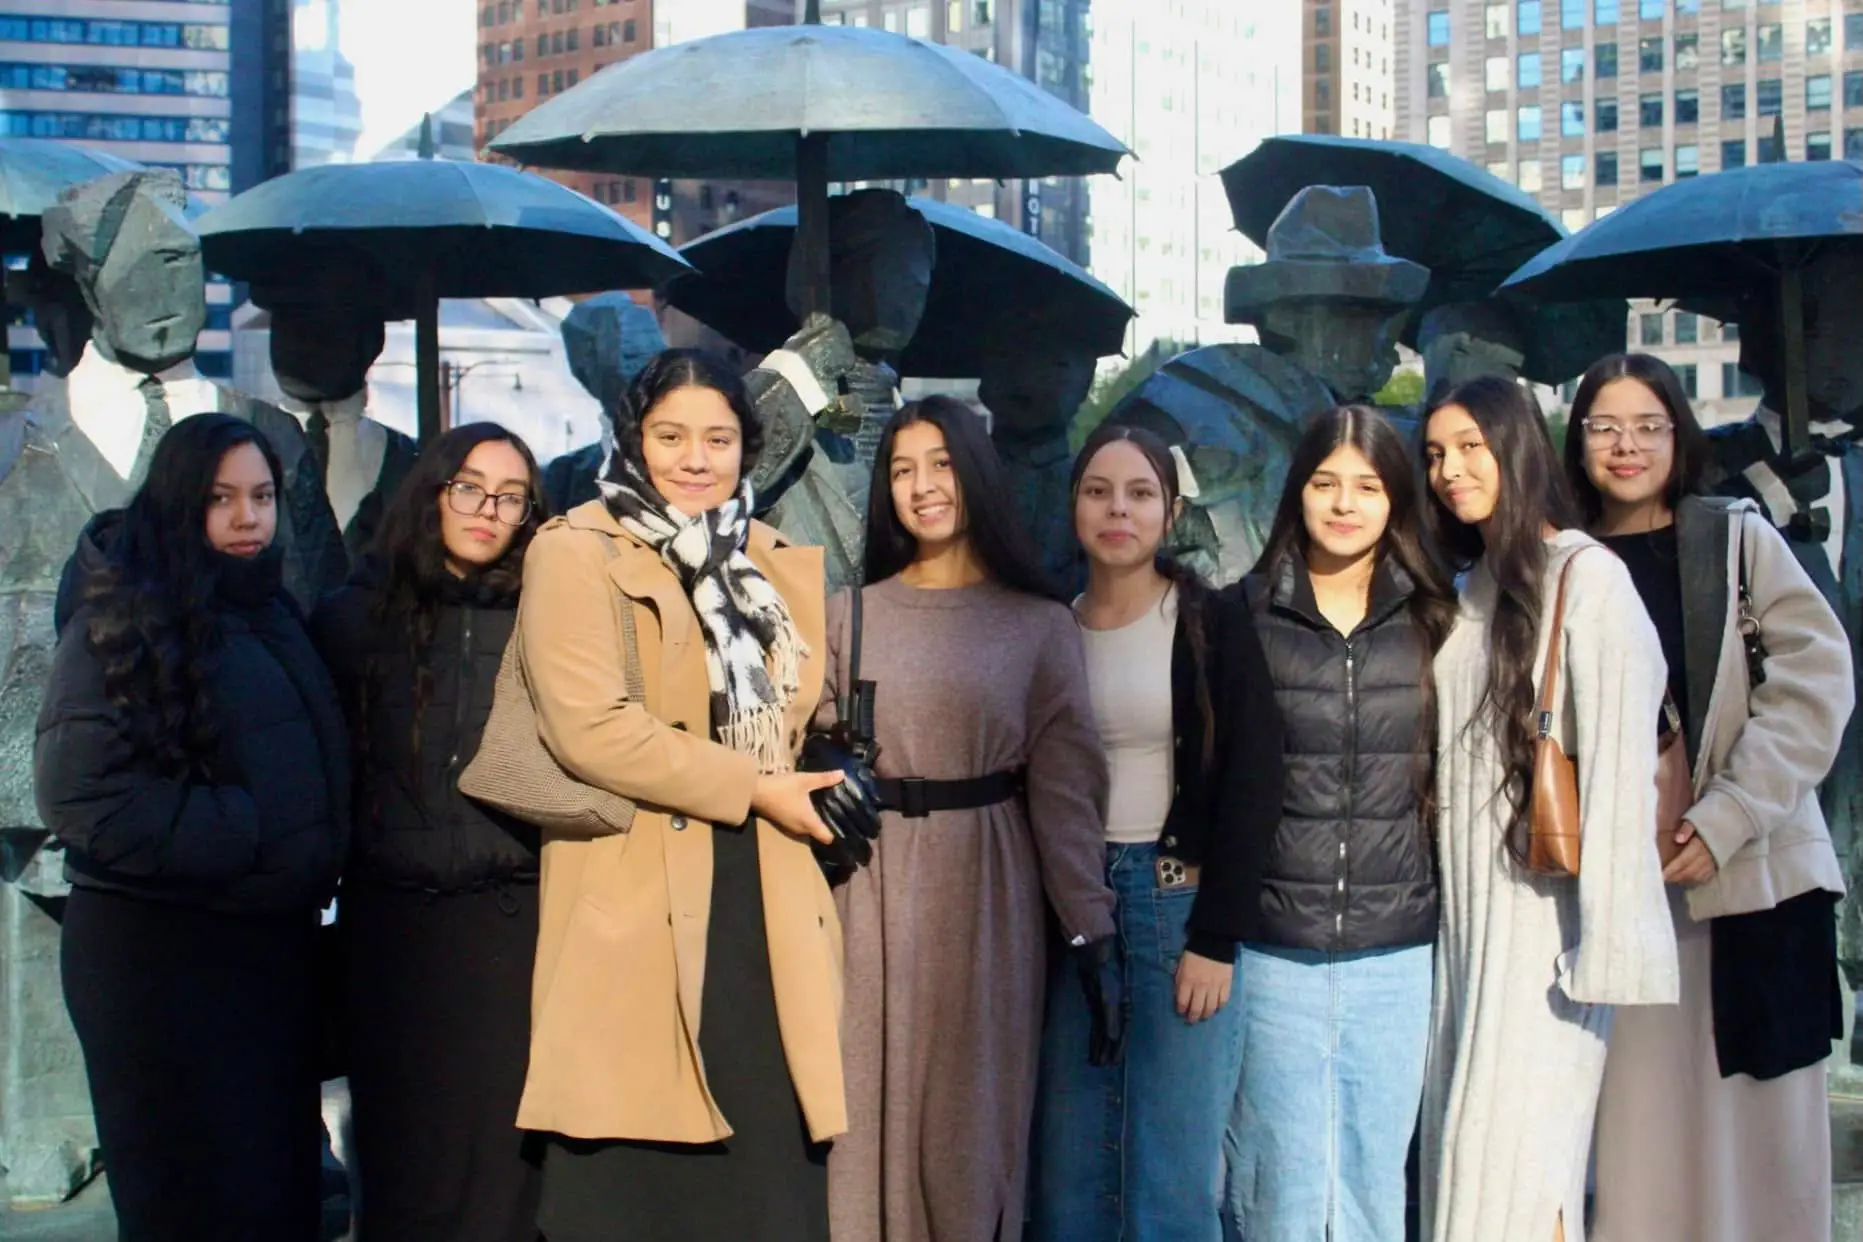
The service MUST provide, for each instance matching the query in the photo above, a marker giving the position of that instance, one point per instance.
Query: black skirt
(199, 1039)
(438, 1037)
(767, 1181)
(1773, 986)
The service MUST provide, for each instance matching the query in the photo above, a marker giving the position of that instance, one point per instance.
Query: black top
(263, 823)
(1220, 812)
(1656, 570)
(1352, 866)
(414, 829)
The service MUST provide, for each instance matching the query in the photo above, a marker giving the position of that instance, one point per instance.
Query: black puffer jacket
(268, 833)
(1352, 864)
(414, 829)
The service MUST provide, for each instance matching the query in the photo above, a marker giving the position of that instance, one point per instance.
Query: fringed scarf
(753, 654)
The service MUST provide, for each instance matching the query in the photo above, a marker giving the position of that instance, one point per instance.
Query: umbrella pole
(812, 221)
(1796, 425)
(427, 357)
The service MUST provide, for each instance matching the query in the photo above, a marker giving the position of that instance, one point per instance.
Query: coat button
(679, 823)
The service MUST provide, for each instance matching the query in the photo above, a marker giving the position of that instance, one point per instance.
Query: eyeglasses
(1602, 431)
(511, 508)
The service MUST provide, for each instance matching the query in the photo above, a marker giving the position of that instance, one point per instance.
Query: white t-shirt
(1129, 675)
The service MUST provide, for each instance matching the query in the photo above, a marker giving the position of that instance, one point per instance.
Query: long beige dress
(944, 932)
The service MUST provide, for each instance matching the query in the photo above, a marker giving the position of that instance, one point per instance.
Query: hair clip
(1186, 477)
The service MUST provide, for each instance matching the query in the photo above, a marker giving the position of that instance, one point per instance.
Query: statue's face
(879, 293)
(1033, 383)
(149, 295)
(58, 312)
(323, 353)
(1351, 347)
(1833, 306)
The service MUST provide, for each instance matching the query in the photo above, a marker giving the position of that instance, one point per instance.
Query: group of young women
(1186, 901)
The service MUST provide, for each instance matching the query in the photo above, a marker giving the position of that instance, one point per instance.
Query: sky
(411, 56)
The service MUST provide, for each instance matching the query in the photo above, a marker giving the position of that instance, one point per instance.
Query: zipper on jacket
(463, 682)
(1351, 779)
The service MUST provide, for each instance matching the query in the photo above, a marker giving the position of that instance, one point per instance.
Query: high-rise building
(1348, 86)
(1190, 87)
(326, 113)
(1588, 104)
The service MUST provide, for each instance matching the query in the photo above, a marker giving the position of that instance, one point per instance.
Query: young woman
(439, 908)
(1714, 1124)
(192, 758)
(1335, 966)
(676, 1102)
(1528, 966)
(984, 720)
(1186, 713)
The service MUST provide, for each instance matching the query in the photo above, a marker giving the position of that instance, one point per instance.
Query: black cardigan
(1220, 812)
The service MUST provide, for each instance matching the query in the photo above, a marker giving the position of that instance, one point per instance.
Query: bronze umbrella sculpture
(435, 228)
(813, 104)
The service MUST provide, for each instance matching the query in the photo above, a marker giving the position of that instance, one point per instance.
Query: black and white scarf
(753, 654)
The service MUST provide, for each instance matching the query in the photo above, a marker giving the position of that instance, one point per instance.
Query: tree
(1109, 390)
(1404, 388)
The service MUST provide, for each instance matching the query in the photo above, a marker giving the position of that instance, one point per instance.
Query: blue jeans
(1134, 1152)
(1332, 1077)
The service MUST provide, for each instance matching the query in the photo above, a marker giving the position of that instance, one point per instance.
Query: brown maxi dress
(944, 932)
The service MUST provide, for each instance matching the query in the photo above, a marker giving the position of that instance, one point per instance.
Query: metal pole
(812, 221)
(1796, 428)
(427, 357)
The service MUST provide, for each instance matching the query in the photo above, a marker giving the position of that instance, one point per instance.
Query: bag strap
(855, 705)
(1549, 689)
(631, 673)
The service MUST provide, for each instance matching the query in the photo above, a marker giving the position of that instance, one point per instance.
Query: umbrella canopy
(984, 268)
(433, 229)
(1562, 339)
(33, 172)
(737, 104)
(1470, 228)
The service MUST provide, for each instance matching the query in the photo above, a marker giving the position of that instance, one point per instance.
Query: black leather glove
(1102, 978)
(851, 809)
(824, 344)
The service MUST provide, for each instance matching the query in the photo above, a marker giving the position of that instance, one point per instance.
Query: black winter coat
(414, 829)
(1352, 865)
(268, 832)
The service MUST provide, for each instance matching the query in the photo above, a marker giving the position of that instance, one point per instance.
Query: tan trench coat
(616, 1004)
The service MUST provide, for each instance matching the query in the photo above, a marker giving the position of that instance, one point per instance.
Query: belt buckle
(1172, 873)
(912, 798)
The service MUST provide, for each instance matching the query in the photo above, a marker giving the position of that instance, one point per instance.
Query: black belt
(916, 798)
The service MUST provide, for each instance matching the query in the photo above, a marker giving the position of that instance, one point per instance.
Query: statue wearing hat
(826, 396)
(609, 340)
(1329, 303)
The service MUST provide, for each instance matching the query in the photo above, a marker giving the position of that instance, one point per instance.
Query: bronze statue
(608, 338)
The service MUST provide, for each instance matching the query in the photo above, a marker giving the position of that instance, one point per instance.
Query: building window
(1818, 145)
(1528, 76)
(1572, 64)
(1439, 27)
(1604, 13)
(517, 88)
(1495, 73)
(1572, 118)
(1687, 328)
(1769, 99)
(1605, 111)
(1687, 6)
(1530, 176)
(1528, 22)
(1687, 160)
(485, 16)
(1734, 153)
(504, 89)
(1322, 19)
(1439, 134)
(598, 37)
(1322, 58)
(1649, 329)
(1574, 218)
(1687, 107)
(1572, 172)
(982, 15)
(1687, 51)
(1572, 14)
(1501, 169)
(1649, 54)
(543, 84)
(627, 31)
(1604, 171)
(1737, 383)
(1734, 46)
(1650, 10)
(1649, 164)
(1527, 123)
(1605, 58)
(1818, 93)
(1687, 371)
(575, 75)
(1818, 36)
(556, 44)
(1649, 111)
(1438, 80)
(543, 46)
(1853, 32)
(1496, 16)
(1853, 144)
(556, 81)
(1496, 126)
(1734, 101)
(1766, 151)
(1853, 88)
(574, 41)
(517, 50)
(918, 22)
(1769, 42)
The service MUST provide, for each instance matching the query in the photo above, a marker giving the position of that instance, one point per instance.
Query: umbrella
(33, 172)
(983, 266)
(1715, 237)
(813, 103)
(435, 228)
(1562, 339)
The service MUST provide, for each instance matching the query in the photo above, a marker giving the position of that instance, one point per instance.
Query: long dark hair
(153, 623)
(409, 552)
(991, 522)
(1532, 495)
(668, 371)
(1692, 449)
(1432, 605)
(1192, 591)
